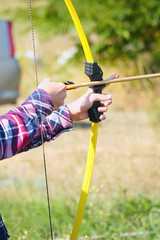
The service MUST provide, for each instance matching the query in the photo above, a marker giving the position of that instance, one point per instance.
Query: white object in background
(66, 55)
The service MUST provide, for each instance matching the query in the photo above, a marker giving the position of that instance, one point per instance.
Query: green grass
(26, 216)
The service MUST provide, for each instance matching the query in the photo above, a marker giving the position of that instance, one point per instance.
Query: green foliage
(116, 30)
(27, 217)
(123, 28)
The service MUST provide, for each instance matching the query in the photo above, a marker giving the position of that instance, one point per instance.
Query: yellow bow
(94, 131)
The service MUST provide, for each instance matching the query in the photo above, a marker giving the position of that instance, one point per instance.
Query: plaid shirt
(20, 128)
(3, 231)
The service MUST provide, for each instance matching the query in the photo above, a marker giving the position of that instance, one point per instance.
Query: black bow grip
(95, 73)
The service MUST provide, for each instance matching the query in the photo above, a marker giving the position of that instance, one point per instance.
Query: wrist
(73, 111)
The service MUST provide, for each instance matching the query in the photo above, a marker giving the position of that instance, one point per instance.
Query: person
(20, 128)
(3, 231)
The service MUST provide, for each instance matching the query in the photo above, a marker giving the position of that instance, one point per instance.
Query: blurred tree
(116, 29)
(121, 28)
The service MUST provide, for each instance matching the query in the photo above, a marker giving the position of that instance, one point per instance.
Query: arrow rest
(95, 73)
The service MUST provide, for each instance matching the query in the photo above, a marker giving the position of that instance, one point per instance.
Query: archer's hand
(79, 108)
(56, 90)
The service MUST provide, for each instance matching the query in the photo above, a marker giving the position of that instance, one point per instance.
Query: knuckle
(62, 85)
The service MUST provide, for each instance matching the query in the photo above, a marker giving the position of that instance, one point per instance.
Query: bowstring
(42, 138)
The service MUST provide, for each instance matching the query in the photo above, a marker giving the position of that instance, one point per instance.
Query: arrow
(125, 79)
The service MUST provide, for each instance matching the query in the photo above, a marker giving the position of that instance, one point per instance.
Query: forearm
(53, 126)
(19, 126)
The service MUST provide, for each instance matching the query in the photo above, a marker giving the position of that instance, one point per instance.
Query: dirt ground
(127, 158)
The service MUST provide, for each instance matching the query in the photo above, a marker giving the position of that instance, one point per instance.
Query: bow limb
(94, 131)
(80, 30)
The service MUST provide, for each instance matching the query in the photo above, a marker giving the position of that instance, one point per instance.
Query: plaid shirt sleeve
(3, 231)
(20, 127)
(53, 126)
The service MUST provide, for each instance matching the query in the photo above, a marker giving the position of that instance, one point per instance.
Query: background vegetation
(122, 34)
(122, 29)
(124, 198)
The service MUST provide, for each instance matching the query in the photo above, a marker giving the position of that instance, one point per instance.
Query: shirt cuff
(40, 103)
(66, 120)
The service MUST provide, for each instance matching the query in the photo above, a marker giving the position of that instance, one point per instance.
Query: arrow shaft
(125, 79)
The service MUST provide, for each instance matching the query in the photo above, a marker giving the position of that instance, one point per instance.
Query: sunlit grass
(27, 217)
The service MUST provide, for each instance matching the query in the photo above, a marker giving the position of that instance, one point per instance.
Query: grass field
(124, 195)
